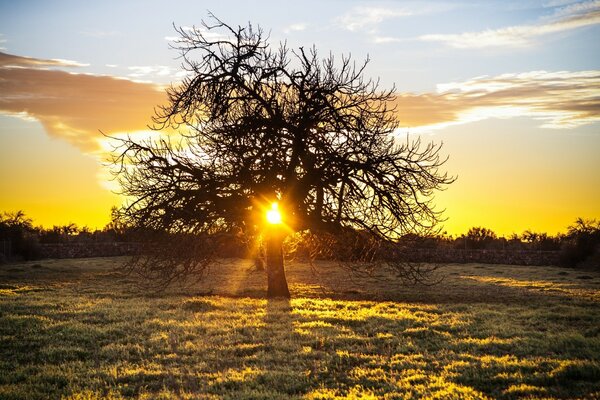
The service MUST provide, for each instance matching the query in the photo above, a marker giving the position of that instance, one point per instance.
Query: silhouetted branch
(261, 123)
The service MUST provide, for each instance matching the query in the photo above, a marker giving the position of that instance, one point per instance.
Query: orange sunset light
(273, 215)
(300, 199)
(514, 102)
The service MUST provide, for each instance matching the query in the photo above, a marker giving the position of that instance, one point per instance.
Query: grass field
(76, 329)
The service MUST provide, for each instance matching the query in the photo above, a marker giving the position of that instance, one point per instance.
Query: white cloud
(578, 7)
(12, 61)
(140, 71)
(209, 34)
(567, 18)
(386, 39)
(367, 18)
(298, 27)
(559, 100)
(70, 63)
(558, 3)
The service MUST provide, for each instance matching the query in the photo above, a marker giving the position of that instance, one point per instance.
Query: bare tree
(263, 125)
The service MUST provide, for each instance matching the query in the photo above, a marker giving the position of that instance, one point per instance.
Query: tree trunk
(277, 284)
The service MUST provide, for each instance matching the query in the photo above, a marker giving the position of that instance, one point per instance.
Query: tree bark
(276, 282)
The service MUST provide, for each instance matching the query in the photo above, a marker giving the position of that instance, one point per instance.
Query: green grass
(75, 329)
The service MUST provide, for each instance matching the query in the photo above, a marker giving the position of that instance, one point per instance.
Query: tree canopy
(259, 124)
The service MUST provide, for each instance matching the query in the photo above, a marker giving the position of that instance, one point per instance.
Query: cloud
(564, 19)
(386, 39)
(13, 61)
(2, 40)
(74, 107)
(298, 27)
(558, 99)
(151, 70)
(71, 106)
(208, 34)
(557, 3)
(366, 18)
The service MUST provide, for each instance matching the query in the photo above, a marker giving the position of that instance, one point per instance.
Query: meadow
(77, 329)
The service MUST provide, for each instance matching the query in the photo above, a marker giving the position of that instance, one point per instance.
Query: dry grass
(75, 329)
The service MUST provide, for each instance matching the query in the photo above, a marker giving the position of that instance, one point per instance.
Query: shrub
(477, 238)
(18, 231)
(582, 244)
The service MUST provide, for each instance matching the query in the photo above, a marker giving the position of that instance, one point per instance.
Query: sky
(511, 89)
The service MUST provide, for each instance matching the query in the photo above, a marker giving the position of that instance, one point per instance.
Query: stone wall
(84, 250)
(512, 257)
(443, 255)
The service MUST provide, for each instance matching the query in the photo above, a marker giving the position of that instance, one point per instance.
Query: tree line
(579, 244)
(21, 239)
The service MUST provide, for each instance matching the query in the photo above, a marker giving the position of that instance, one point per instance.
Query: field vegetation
(76, 329)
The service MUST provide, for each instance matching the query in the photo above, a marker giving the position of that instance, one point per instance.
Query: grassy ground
(77, 330)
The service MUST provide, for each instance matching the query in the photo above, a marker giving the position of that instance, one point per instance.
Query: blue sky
(511, 88)
(133, 33)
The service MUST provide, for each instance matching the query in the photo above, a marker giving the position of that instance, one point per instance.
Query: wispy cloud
(71, 106)
(559, 3)
(2, 40)
(386, 39)
(141, 71)
(13, 61)
(209, 34)
(564, 19)
(74, 107)
(297, 27)
(558, 99)
(367, 18)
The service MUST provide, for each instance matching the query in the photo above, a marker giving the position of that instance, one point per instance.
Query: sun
(273, 215)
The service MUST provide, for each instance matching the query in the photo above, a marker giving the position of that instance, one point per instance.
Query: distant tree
(262, 125)
(59, 233)
(478, 238)
(582, 244)
(116, 229)
(582, 226)
(18, 236)
(541, 241)
(514, 242)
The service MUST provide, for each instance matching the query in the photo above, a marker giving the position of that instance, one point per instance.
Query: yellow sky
(50, 179)
(514, 176)
(509, 180)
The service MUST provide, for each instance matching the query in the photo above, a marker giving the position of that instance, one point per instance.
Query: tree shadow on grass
(464, 284)
(249, 348)
(61, 342)
(325, 348)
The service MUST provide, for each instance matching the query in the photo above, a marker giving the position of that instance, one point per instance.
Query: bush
(477, 238)
(18, 231)
(30, 248)
(582, 244)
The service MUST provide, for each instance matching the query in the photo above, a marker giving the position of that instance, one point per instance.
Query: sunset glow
(511, 88)
(273, 215)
